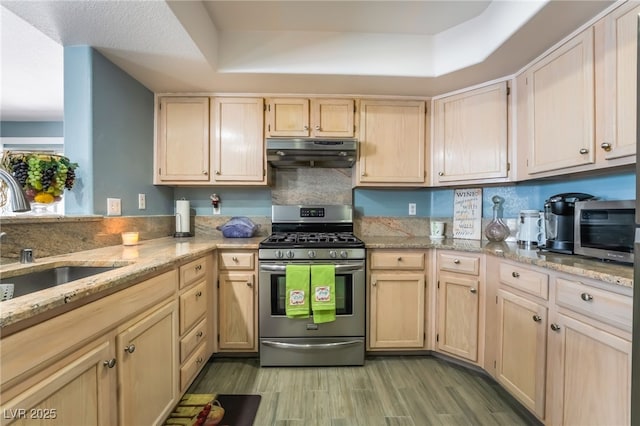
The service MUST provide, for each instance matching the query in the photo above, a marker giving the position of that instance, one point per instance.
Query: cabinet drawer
(532, 282)
(192, 339)
(235, 261)
(193, 365)
(193, 306)
(457, 263)
(610, 308)
(192, 272)
(397, 260)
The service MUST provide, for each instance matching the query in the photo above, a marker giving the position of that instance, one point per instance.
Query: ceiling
(403, 48)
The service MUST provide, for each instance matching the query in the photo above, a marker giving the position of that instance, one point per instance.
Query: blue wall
(528, 195)
(109, 132)
(235, 201)
(31, 129)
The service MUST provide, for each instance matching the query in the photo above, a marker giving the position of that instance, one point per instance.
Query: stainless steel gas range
(312, 235)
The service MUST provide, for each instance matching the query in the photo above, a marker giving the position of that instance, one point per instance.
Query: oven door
(350, 303)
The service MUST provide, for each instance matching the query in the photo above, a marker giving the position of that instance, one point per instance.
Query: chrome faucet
(19, 202)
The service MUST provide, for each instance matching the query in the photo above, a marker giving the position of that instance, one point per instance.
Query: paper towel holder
(180, 231)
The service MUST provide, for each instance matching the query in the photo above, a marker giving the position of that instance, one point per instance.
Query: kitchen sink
(39, 280)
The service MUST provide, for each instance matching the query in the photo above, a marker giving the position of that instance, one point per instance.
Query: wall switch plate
(412, 209)
(142, 201)
(114, 207)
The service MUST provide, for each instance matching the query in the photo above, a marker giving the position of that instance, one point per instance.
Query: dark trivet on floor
(239, 410)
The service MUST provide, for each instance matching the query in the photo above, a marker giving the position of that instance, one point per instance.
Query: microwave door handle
(282, 268)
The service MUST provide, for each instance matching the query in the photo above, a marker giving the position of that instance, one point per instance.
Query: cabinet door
(183, 139)
(288, 117)
(471, 135)
(392, 142)
(236, 307)
(589, 375)
(238, 142)
(522, 349)
(561, 107)
(332, 117)
(458, 310)
(79, 391)
(148, 367)
(397, 310)
(620, 80)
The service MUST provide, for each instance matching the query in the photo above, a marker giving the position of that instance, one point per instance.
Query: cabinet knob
(440, 173)
(199, 334)
(514, 274)
(199, 360)
(537, 318)
(218, 172)
(204, 172)
(399, 258)
(305, 127)
(317, 127)
(584, 151)
(606, 146)
(473, 290)
(249, 284)
(555, 327)
(130, 348)
(586, 297)
(363, 173)
(198, 267)
(234, 258)
(456, 261)
(199, 294)
(373, 283)
(110, 363)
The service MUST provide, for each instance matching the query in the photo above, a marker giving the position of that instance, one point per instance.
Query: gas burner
(300, 239)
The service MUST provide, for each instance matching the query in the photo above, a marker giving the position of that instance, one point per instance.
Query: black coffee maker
(559, 221)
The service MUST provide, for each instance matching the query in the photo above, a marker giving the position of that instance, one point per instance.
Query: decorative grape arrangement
(43, 176)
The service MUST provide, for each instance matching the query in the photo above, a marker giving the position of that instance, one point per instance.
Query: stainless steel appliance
(604, 229)
(559, 221)
(282, 152)
(312, 235)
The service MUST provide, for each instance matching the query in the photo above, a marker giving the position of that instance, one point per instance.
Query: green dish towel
(297, 291)
(323, 293)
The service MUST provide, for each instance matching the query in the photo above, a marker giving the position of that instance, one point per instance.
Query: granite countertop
(151, 257)
(609, 272)
(135, 263)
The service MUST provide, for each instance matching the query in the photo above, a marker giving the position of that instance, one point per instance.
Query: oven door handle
(312, 346)
(339, 268)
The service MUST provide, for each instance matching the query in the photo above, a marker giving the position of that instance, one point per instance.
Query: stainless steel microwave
(605, 229)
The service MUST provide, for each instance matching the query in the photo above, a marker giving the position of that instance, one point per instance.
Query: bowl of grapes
(43, 176)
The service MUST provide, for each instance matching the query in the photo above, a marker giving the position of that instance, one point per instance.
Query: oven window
(344, 294)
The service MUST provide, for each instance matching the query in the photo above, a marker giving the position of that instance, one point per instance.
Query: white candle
(129, 238)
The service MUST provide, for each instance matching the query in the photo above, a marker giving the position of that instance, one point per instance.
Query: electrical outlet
(114, 207)
(142, 202)
(216, 210)
(412, 209)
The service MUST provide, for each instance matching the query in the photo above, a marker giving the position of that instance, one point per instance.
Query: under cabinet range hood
(287, 152)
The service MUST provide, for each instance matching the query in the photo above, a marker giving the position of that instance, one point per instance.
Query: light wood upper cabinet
(237, 140)
(392, 143)
(302, 117)
(182, 149)
(619, 78)
(560, 104)
(470, 136)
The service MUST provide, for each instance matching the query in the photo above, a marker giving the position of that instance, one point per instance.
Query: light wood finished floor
(410, 390)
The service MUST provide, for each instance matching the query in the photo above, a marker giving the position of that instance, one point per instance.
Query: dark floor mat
(239, 410)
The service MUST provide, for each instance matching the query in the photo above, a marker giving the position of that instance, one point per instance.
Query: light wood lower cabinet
(522, 349)
(237, 301)
(112, 361)
(589, 375)
(147, 374)
(396, 300)
(459, 305)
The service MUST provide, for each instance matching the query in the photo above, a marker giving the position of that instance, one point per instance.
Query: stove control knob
(312, 254)
(343, 254)
(279, 254)
(290, 254)
(333, 254)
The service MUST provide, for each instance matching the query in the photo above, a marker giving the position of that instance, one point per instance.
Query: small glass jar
(497, 230)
